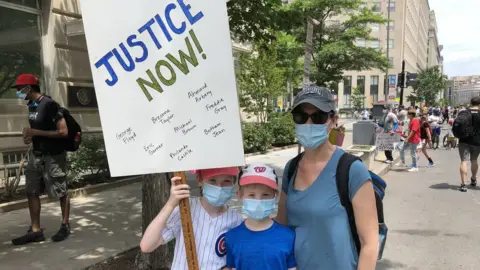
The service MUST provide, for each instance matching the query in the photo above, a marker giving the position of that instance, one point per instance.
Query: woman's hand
(178, 192)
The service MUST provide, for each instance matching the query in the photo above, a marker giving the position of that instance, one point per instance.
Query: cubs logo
(260, 169)
(220, 247)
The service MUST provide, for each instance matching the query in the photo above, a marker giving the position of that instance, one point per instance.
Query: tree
(254, 20)
(334, 42)
(290, 60)
(357, 99)
(260, 81)
(430, 82)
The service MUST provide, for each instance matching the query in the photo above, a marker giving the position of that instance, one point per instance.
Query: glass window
(28, 3)
(390, 43)
(391, 6)
(375, 44)
(19, 48)
(361, 42)
(391, 26)
(347, 85)
(361, 83)
(374, 85)
(390, 60)
(375, 27)
(376, 6)
(363, 5)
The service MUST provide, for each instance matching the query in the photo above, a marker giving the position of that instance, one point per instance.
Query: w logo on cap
(260, 169)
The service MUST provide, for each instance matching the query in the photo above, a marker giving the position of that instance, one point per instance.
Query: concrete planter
(368, 153)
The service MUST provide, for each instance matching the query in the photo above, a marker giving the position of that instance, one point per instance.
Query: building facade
(466, 92)
(408, 40)
(45, 38)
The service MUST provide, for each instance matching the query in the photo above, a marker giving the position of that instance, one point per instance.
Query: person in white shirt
(211, 219)
(365, 114)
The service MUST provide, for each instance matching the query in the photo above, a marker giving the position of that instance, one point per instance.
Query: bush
(90, 158)
(282, 129)
(256, 137)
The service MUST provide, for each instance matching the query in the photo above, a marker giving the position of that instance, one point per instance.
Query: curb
(270, 150)
(387, 167)
(20, 204)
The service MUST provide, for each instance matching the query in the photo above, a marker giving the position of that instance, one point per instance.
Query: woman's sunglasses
(318, 117)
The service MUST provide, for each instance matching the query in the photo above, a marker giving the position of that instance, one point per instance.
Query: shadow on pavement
(385, 264)
(444, 186)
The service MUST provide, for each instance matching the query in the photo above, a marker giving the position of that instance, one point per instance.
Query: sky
(458, 23)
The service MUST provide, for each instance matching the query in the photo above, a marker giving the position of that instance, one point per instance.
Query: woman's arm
(282, 209)
(365, 211)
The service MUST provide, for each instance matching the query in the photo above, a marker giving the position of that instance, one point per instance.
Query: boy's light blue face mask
(217, 196)
(258, 209)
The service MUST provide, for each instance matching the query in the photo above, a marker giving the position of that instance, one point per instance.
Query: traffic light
(401, 80)
(411, 79)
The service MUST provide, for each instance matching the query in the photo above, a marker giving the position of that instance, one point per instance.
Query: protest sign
(387, 141)
(165, 84)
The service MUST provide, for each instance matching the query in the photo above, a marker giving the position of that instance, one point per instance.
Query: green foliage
(90, 158)
(256, 137)
(282, 129)
(357, 99)
(430, 82)
(290, 59)
(334, 43)
(254, 20)
(260, 81)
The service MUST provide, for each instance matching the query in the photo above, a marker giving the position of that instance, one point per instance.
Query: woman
(426, 136)
(310, 203)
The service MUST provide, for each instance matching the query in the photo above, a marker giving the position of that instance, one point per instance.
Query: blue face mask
(258, 209)
(217, 196)
(21, 95)
(311, 135)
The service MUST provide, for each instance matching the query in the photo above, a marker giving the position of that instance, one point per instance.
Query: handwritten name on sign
(165, 84)
(386, 141)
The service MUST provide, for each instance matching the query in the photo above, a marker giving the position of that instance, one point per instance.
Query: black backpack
(463, 125)
(342, 179)
(72, 142)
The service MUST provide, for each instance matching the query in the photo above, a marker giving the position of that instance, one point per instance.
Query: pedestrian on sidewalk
(426, 137)
(388, 123)
(412, 141)
(469, 147)
(47, 162)
(211, 219)
(310, 202)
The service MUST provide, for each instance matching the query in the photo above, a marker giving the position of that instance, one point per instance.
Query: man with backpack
(46, 168)
(466, 127)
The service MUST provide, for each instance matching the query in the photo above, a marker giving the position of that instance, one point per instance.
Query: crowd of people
(419, 126)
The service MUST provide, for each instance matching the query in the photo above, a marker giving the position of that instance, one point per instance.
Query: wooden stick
(188, 236)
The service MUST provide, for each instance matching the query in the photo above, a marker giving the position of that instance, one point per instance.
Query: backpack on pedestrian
(463, 125)
(342, 182)
(74, 139)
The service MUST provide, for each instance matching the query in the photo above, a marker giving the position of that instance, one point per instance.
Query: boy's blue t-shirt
(272, 248)
(323, 239)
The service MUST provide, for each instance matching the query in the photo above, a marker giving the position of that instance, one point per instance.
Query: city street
(431, 224)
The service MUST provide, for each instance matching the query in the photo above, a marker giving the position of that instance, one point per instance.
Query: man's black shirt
(476, 128)
(43, 114)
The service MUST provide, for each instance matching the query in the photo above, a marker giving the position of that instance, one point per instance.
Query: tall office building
(408, 40)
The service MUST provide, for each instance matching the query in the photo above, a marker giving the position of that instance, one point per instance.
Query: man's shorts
(468, 152)
(46, 174)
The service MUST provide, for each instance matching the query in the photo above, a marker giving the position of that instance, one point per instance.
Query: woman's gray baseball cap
(318, 96)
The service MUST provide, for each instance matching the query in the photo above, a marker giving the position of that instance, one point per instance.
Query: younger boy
(259, 242)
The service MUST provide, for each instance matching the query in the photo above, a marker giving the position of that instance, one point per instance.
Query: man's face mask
(22, 92)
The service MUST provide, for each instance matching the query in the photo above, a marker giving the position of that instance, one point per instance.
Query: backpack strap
(342, 180)
(292, 168)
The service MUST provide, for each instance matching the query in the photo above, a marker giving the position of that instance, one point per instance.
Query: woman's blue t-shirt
(323, 238)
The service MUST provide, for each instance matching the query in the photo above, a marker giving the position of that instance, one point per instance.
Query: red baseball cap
(259, 174)
(26, 79)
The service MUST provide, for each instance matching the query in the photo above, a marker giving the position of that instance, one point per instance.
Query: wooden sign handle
(187, 227)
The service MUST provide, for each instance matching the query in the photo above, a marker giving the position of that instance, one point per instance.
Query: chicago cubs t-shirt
(270, 249)
(209, 236)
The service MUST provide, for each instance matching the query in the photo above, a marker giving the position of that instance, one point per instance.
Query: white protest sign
(386, 141)
(165, 84)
